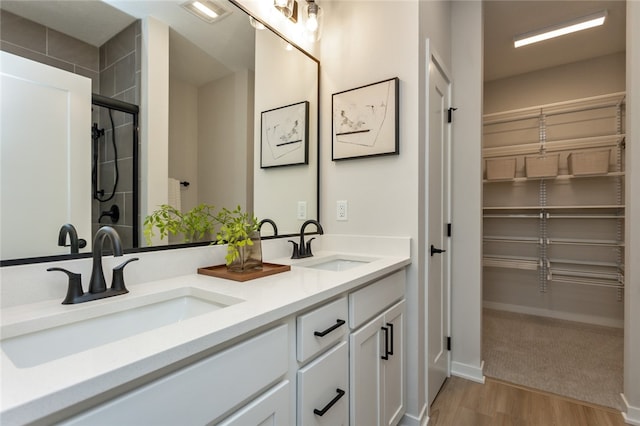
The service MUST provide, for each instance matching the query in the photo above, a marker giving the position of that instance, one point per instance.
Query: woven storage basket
(541, 166)
(589, 162)
(501, 168)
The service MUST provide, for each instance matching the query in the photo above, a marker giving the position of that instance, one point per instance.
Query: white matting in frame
(285, 136)
(365, 121)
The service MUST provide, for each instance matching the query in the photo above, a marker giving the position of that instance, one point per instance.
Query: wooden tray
(220, 271)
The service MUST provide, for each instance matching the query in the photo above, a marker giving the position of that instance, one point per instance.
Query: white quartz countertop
(35, 392)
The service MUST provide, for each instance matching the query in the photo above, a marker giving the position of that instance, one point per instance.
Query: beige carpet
(572, 359)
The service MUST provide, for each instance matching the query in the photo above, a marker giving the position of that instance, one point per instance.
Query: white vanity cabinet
(377, 352)
(342, 365)
(206, 390)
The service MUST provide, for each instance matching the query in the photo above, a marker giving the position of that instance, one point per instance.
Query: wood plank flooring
(465, 403)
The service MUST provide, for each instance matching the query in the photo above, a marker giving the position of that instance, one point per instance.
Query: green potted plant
(240, 231)
(193, 225)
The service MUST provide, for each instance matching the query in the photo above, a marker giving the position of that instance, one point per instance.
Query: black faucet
(302, 250)
(97, 285)
(272, 223)
(75, 243)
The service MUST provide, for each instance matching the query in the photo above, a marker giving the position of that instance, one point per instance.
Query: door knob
(436, 250)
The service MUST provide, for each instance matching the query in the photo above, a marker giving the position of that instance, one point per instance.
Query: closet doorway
(553, 200)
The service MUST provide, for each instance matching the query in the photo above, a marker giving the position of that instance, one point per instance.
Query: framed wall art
(285, 136)
(365, 121)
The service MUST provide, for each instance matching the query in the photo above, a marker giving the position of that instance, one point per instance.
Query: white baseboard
(632, 416)
(567, 316)
(421, 420)
(467, 371)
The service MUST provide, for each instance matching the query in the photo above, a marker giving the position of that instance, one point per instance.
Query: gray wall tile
(22, 32)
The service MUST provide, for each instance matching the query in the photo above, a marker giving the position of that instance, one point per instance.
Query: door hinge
(450, 114)
(448, 343)
(448, 229)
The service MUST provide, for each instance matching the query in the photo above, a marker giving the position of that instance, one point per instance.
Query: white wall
(466, 275)
(225, 153)
(592, 77)
(632, 238)
(154, 118)
(183, 139)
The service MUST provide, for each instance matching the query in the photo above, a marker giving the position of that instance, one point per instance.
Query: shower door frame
(134, 110)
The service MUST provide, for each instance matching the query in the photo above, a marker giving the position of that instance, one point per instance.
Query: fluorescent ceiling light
(562, 29)
(204, 9)
(207, 10)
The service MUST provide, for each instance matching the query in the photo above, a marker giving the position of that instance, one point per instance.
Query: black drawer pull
(330, 329)
(391, 337)
(330, 404)
(386, 343)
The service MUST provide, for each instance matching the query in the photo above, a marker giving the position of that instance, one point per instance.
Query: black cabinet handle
(436, 250)
(386, 343)
(330, 404)
(338, 323)
(390, 337)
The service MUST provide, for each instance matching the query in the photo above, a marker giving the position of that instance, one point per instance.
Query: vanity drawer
(364, 304)
(321, 328)
(202, 392)
(323, 389)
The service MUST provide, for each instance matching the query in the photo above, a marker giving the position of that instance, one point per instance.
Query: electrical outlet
(302, 210)
(342, 211)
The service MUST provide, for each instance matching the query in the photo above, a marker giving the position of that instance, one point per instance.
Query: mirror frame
(65, 257)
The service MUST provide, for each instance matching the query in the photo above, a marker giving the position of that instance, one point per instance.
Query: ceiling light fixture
(569, 27)
(207, 10)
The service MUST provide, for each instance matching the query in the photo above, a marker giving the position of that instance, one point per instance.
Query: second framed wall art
(285, 136)
(365, 121)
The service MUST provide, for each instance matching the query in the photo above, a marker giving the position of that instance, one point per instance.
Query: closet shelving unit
(569, 229)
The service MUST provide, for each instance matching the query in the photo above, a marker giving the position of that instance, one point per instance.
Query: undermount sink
(336, 263)
(59, 335)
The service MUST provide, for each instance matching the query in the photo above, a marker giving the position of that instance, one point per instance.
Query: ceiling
(96, 21)
(217, 48)
(503, 20)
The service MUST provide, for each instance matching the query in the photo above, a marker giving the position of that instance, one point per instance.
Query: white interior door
(438, 216)
(45, 141)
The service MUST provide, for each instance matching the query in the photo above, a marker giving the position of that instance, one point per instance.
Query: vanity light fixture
(569, 27)
(256, 24)
(207, 10)
(313, 20)
(289, 8)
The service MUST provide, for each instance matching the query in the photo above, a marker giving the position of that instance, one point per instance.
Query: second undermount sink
(336, 263)
(86, 327)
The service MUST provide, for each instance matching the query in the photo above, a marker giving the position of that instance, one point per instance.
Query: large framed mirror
(221, 78)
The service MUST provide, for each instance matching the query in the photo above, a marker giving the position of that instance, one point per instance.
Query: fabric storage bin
(500, 168)
(541, 166)
(589, 162)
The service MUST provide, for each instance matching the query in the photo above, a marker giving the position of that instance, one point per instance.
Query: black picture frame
(284, 139)
(365, 121)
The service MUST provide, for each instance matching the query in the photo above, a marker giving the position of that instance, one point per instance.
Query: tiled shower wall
(114, 69)
(119, 79)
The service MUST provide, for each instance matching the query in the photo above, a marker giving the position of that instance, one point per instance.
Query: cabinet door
(365, 375)
(201, 392)
(270, 409)
(323, 392)
(393, 366)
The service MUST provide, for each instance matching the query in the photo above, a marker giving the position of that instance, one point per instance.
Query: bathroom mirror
(276, 74)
